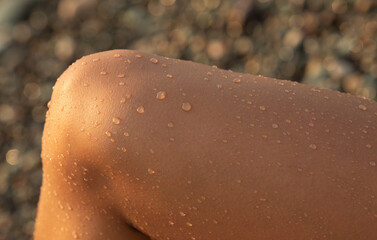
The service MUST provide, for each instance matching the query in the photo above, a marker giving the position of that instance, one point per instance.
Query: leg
(185, 151)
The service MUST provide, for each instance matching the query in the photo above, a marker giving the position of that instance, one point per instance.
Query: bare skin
(181, 150)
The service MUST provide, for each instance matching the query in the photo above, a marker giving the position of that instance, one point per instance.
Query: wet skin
(180, 150)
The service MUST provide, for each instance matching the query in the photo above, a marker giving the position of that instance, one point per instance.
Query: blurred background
(331, 44)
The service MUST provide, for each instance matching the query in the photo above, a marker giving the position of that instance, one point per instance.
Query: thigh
(185, 151)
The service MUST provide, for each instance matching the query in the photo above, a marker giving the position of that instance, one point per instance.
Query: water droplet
(372, 163)
(368, 146)
(151, 171)
(128, 96)
(219, 86)
(85, 84)
(60, 205)
(182, 214)
(311, 124)
(169, 76)
(103, 73)
(362, 107)
(274, 125)
(189, 224)
(123, 100)
(117, 55)
(170, 124)
(95, 60)
(262, 199)
(74, 235)
(186, 106)
(108, 133)
(127, 134)
(116, 120)
(237, 80)
(171, 223)
(124, 149)
(209, 73)
(313, 146)
(153, 60)
(83, 63)
(122, 83)
(140, 109)
(122, 75)
(138, 56)
(262, 108)
(164, 65)
(161, 95)
(171, 139)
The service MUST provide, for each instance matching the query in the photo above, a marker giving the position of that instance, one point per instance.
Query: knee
(101, 106)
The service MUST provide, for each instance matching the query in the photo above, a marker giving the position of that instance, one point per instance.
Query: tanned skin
(180, 150)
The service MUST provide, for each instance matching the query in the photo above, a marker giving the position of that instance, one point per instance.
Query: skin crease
(223, 156)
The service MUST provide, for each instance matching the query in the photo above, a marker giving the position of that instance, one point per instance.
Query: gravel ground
(325, 43)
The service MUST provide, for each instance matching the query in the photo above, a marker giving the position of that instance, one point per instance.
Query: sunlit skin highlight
(134, 139)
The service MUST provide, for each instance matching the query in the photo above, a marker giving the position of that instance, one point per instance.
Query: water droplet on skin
(103, 73)
(127, 134)
(237, 80)
(138, 56)
(274, 125)
(153, 60)
(108, 133)
(123, 100)
(362, 107)
(219, 86)
(373, 164)
(170, 124)
(164, 65)
(83, 63)
(186, 107)
(151, 171)
(189, 224)
(124, 149)
(313, 146)
(117, 55)
(74, 235)
(169, 76)
(368, 146)
(311, 124)
(171, 223)
(182, 214)
(262, 108)
(116, 120)
(262, 199)
(140, 109)
(95, 60)
(121, 75)
(209, 73)
(122, 83)
(86, 84)
(171, 139)
(161, 95)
